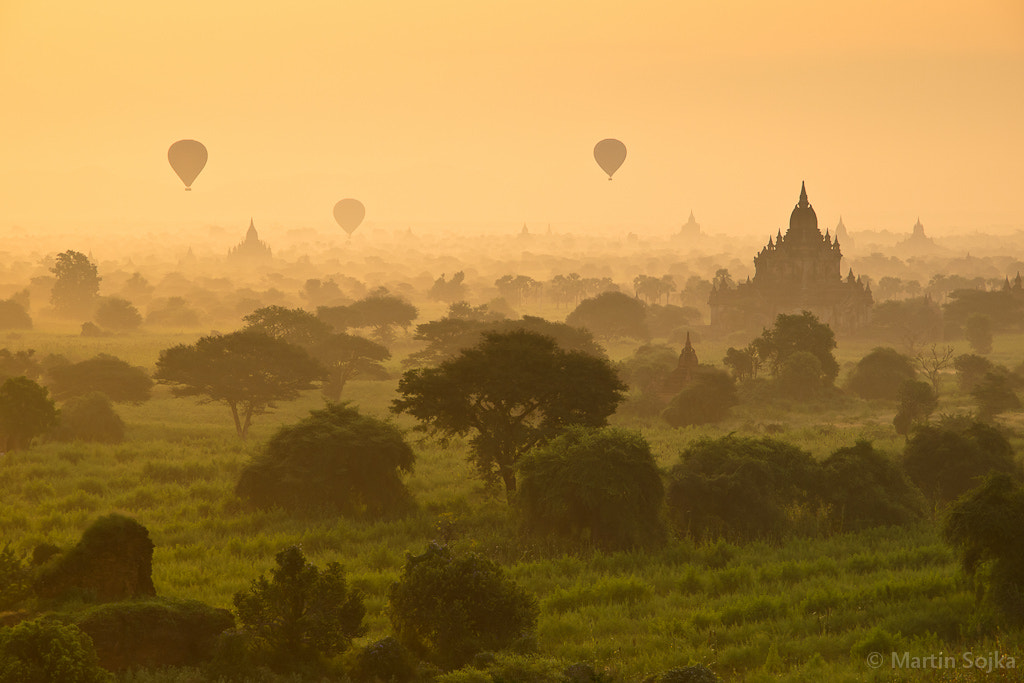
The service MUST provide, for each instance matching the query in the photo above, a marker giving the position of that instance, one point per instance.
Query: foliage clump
(446, 607)
(864, 488)
(879, 374)
(90, 417)
(739, 488)
(948, 459)
(48, 651)
(602, 485)
(301, 614)
(705, 400)
(385, 660)
(335, 459)
(119, 380)
(26, 411)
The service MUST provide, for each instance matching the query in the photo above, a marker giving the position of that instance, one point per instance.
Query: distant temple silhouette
(683, 374)
(842, 235)
(251, 249)
(691, 228)
(918, 244)
(798, 271)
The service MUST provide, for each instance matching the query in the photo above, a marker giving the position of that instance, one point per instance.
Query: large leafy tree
(301, 612)
(293, 325)
(792, 334)
(78, 283)
(611, 314)
(25, 412)
(119, 380)
(380, 311)
(512, 391)
(248, 371)
(880, 374)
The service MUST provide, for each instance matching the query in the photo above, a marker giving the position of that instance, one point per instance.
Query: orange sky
(484, 112)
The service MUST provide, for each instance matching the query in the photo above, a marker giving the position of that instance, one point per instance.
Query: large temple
(250, 250)
(795, 272)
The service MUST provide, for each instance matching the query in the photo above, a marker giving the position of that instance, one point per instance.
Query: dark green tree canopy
(795, 333)
(90, 417)
(301, 612)
(917, 401)
(880, 373)
(248, 371)
(447, 607)
(46, 650)
(864, 488)
(602, 485)
(705, 400)
(116, 378)
(77, 285)
(996, 393)
(512, 391)
(947, 459)
(117, 314)
(381, 312)
(13, 316)
(25, 412)
(335, 459)
(970, 368)
(611, 314)
(345, 357)
(293, 325)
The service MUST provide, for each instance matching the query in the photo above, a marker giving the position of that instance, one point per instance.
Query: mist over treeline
(307, 268)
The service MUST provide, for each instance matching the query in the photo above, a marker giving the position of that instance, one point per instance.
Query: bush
(90, 417)
(47, 651)
(25, 412)
(865, 489)
(948, 459)
(995, 393)
(301, 613)
(970, 368)
(739, 488)
(112, 561)
(13, 316)
(105, 373)
(801, 377)
(706, 400)
(879, 374)
(447, 608)
(386, 661)
(611, 314)
(334, 459)
(598, 484)
(917, 401)
(117, 314)
(15, 579)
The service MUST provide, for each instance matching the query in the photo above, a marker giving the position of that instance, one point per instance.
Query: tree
(21, 363)
(116, 378)
(743, 363)
(794, 333)
(346, 356)
(448, 290)
(516, 288)
(669, 320)
(25, 412)
(602, 485)
(909, 322)
(706, 400)
(917, 401)
(978, 330)
(172, 312)
(301, 612)
(447, 607)
(880, 373)
(248, 371)
(933, 362)
(970, 368)
(995, 393)
(293, 325)
(611, 314)
(986, 528)
(801, 377)
(117, 314)
(334, 459)
(739, 488)
(13, 316)
(864, 488)
(380, 311)
(77, 284)
(90, 417)
(512, 391)
(946, 460)
(48, 651)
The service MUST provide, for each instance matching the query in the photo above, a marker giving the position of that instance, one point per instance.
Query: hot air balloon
(187, 158)
(349, 214)
(610, 153)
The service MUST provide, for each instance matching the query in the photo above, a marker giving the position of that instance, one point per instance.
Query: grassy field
(808, 609)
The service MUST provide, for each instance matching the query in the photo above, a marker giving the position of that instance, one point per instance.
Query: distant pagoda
(798, 271)
(252, 249)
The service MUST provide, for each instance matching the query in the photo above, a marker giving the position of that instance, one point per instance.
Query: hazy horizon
(461, 115)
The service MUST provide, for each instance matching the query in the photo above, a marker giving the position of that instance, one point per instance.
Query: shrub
(611, 314)
(447, 608)
(864, 489)
(386, 661)
(15, 579)
(302, 612)
(90, 417)
(13, 316)
(970, 368)
(335, 459)
(995, 393)
(742, 488)
(25, 412)
(948, 459)
(879, 374)
(117, 314)
(801, 376)
(707, 399)
(917, 401)
(602, 484)
(112, 376)
(112, 561)
(48, 651)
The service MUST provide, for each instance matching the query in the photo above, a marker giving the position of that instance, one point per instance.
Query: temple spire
(803, 195)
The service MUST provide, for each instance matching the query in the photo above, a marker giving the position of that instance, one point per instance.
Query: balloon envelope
(187, 158)
(349, 214)
(610, 154)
